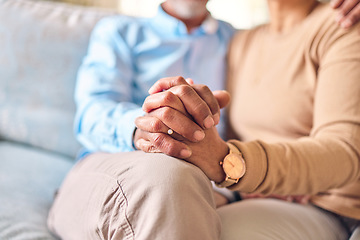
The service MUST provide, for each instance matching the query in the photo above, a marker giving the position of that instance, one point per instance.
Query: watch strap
(233, 149)
(227, 182)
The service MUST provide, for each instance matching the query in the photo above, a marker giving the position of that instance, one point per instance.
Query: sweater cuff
(256, 166)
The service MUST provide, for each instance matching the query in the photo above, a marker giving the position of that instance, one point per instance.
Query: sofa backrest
(42, 45)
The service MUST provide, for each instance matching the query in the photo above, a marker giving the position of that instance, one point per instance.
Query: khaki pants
(142, 196)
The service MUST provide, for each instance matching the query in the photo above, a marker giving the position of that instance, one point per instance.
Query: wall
(98, 3)
(241, 13)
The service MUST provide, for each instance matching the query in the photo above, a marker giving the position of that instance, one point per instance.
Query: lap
(105, 191)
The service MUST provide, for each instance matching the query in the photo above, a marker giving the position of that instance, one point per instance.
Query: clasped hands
(192, 111)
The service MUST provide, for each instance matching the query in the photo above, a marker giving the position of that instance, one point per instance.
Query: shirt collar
(164, 21)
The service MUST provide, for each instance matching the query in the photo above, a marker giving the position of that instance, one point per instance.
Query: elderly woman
(296, 114)
(296, 107)
(295, 117)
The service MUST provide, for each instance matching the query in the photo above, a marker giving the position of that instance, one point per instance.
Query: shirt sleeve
(329, 157)
(106, 110)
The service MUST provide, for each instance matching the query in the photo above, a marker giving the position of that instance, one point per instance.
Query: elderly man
(127, 55)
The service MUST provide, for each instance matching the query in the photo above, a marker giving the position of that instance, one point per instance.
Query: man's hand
(348, 12)
(198, 100)
(183, 108)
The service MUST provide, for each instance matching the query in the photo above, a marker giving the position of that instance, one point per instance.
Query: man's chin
(190, 10)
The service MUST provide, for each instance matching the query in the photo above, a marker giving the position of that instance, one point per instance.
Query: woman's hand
(348, 12)
(205, 154)
(208, 153)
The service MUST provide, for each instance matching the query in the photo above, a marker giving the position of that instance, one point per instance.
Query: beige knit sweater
(296, 109)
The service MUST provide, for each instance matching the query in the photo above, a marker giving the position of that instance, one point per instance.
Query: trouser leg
(270, 219)
(135, 196)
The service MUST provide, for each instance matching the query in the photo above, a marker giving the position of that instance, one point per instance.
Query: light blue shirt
(126, 56)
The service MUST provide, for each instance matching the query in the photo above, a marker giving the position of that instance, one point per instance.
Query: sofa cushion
(29, 178)
(42, 45)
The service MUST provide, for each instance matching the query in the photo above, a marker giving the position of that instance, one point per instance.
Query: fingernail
(345, 24)
(199, 135)
(189, 81)
(151, 90)
(216, 118)
(185, 153)
(209, 122)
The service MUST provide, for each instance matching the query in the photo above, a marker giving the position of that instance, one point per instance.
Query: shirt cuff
(127, 131)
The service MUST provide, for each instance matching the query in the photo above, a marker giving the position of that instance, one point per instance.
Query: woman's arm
(329, 157)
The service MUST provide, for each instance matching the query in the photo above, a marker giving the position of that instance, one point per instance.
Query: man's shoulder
(123, 26)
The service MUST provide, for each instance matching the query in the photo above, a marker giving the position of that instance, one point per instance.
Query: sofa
(42, 45)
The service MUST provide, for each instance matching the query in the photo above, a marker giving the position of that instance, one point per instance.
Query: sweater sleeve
(329, 157)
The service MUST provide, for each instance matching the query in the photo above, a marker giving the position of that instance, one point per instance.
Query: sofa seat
(42, 46)
(29, 177)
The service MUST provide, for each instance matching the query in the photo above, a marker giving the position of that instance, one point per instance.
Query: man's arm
(105, 107)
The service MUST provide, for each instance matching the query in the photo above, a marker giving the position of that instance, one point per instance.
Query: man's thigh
(270, 219)
(123, 195)
(89, 195)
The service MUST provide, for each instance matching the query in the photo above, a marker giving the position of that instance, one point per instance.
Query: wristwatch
(233, 166)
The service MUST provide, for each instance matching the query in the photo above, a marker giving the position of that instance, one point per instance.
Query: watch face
(234, 166)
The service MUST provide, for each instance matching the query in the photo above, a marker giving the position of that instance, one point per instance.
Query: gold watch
(233, 166)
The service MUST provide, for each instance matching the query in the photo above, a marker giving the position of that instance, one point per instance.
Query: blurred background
(242, 14)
